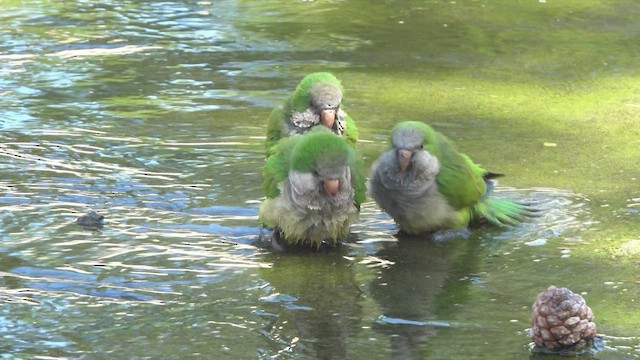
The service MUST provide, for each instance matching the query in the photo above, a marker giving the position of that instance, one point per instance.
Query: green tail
(502, 212)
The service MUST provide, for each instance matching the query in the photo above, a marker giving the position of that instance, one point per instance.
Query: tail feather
(490, 175)
(504, 212)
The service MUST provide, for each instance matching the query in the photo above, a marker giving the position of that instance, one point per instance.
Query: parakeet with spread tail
(317, 100)
(314, 187)
(426, 185)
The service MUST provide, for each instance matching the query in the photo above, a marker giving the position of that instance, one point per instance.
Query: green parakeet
(426, 185)
(314, 188)
(317, 100)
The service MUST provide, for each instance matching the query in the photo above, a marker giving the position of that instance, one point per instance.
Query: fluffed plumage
(314, 188)
(426, 185)
(317, 100)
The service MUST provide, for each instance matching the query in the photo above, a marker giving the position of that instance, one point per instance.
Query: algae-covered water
(154, 113)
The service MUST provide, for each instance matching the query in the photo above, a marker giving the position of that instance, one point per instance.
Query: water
(153, 114)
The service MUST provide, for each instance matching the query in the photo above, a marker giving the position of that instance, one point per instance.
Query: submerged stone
(91, 218)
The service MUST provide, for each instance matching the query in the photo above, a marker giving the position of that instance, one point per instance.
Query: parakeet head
(319, 95)
(411, 141)
(321, 161)
(325, 99)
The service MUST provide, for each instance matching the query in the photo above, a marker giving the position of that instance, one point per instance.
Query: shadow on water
(315, 298)
(419, 288)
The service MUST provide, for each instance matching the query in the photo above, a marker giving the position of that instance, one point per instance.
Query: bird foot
(443, 236)
(277, 243)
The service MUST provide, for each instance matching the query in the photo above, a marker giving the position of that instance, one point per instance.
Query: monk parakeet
(426, 185)
(317, 100)
(314, 188)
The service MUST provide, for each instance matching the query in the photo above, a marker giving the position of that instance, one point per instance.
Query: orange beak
(328, 117)
(404, 158)
(331, 186)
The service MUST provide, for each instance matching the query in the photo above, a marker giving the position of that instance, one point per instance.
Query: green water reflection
(154, 113)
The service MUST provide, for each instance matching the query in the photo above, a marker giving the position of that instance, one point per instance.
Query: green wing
(276, 168)
(460, 180)
(358, 179)
(351, 132)
(275, 125)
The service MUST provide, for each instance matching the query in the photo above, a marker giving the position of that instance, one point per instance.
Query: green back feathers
(276, 169)
(351, 132)
(460, 180)
(303, 152)
(274, 129)
(300, 99)
(358, 181)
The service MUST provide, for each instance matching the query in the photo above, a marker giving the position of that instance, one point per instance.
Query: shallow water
(153, 114)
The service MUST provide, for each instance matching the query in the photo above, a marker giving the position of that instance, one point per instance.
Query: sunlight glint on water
(153, 115)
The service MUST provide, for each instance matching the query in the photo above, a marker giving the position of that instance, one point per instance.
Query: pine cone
(561, 320)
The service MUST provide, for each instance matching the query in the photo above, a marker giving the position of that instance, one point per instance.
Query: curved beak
(328, 117)
(404, 158)
(331, 186)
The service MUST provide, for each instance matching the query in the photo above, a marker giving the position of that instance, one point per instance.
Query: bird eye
(421, 146)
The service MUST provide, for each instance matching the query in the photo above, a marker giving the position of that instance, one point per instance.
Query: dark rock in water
(91, 218)
(561, 321)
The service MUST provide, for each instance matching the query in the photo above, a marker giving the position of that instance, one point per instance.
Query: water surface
(153, 114)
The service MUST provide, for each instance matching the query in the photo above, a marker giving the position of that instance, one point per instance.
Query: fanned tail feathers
(503, 212)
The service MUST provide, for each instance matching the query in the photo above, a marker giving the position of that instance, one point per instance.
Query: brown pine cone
(561, 320)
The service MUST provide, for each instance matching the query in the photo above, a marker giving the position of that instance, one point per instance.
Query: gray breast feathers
(396, 190)
(305, 120)
(304, 190)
